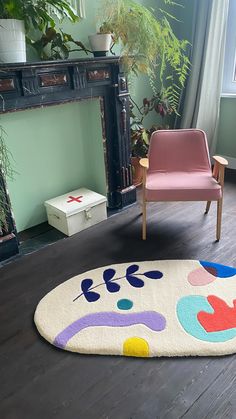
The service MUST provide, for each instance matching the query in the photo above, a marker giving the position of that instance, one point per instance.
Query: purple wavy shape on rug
(153, 320)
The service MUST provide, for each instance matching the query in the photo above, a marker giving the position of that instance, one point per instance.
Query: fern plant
(149, 44)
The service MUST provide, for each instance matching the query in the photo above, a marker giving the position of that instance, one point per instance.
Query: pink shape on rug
(200, 276)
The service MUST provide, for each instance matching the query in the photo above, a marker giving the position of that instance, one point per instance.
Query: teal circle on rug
(144, 309)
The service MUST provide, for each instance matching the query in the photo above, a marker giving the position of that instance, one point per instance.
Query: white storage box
(76, 210)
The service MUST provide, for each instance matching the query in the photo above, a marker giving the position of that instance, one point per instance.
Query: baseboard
(232, 162)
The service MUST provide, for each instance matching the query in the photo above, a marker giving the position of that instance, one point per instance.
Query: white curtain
(82, 8)
(202, 100)
(79, 6)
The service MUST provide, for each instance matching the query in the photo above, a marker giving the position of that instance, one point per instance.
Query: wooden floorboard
(38, 381)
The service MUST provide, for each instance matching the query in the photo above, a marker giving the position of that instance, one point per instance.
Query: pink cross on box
(74, 199)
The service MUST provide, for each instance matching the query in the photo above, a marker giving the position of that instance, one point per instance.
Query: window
(229, 78)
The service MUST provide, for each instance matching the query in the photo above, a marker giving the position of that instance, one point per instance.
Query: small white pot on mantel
(12, 41)
(100, 43)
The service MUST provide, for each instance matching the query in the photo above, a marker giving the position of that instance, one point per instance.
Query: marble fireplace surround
(38, 84)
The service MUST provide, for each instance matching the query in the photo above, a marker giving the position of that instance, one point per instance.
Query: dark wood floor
(38, 381)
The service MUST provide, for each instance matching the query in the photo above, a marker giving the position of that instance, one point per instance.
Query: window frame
(229, 74)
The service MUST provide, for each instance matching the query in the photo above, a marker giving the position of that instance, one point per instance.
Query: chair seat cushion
(182, 186)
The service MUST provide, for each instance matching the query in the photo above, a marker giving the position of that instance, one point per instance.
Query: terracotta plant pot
(137, 171)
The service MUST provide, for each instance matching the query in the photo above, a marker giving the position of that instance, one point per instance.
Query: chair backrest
(179, 150)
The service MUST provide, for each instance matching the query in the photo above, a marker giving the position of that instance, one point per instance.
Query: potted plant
(139, 143)
(17, 17)
(148, 44)
(140, 136)
(101, 41)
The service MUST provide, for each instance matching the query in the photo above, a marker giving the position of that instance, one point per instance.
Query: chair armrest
(221, 160)
(219, 169)
(144, 163)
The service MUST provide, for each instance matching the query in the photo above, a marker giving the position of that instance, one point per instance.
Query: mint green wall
(58, 148)
(226, 144)
(184, 14)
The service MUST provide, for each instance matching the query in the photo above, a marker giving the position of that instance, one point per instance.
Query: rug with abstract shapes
(144, 309)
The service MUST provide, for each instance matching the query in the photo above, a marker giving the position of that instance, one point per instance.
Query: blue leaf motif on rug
(110, 281)
(133, 280)
(90, 296)
(108, 275)
(153, 274)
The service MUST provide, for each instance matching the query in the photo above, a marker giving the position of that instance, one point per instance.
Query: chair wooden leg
(144, 229)
(219, 218)
(208, 207)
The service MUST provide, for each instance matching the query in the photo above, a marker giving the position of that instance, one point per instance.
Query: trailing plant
(59, 44)
(140, 136)
(7, 171)
(149, 44)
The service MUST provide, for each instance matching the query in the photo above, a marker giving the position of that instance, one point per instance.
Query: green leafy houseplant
(149, 44)
(59, 44)
(37, 13)
(140, 136)
(42, 15)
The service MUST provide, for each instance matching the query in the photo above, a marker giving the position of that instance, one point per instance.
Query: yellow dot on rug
(136, 347)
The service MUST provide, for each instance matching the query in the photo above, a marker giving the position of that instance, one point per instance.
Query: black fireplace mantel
(39, 84)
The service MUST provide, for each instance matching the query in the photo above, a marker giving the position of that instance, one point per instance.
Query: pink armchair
(178, 168)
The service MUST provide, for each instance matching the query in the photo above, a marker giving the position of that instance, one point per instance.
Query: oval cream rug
(147, 309)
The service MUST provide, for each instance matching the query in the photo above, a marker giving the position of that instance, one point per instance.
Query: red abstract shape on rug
(223, 318)
(74, 199)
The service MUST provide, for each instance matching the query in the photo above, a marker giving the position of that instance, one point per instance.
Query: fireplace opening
(56, 149)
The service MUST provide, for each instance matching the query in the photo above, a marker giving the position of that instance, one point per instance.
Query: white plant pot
(12, 41)
(100, 43)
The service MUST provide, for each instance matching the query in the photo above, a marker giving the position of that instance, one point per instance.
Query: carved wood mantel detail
(31, 85)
